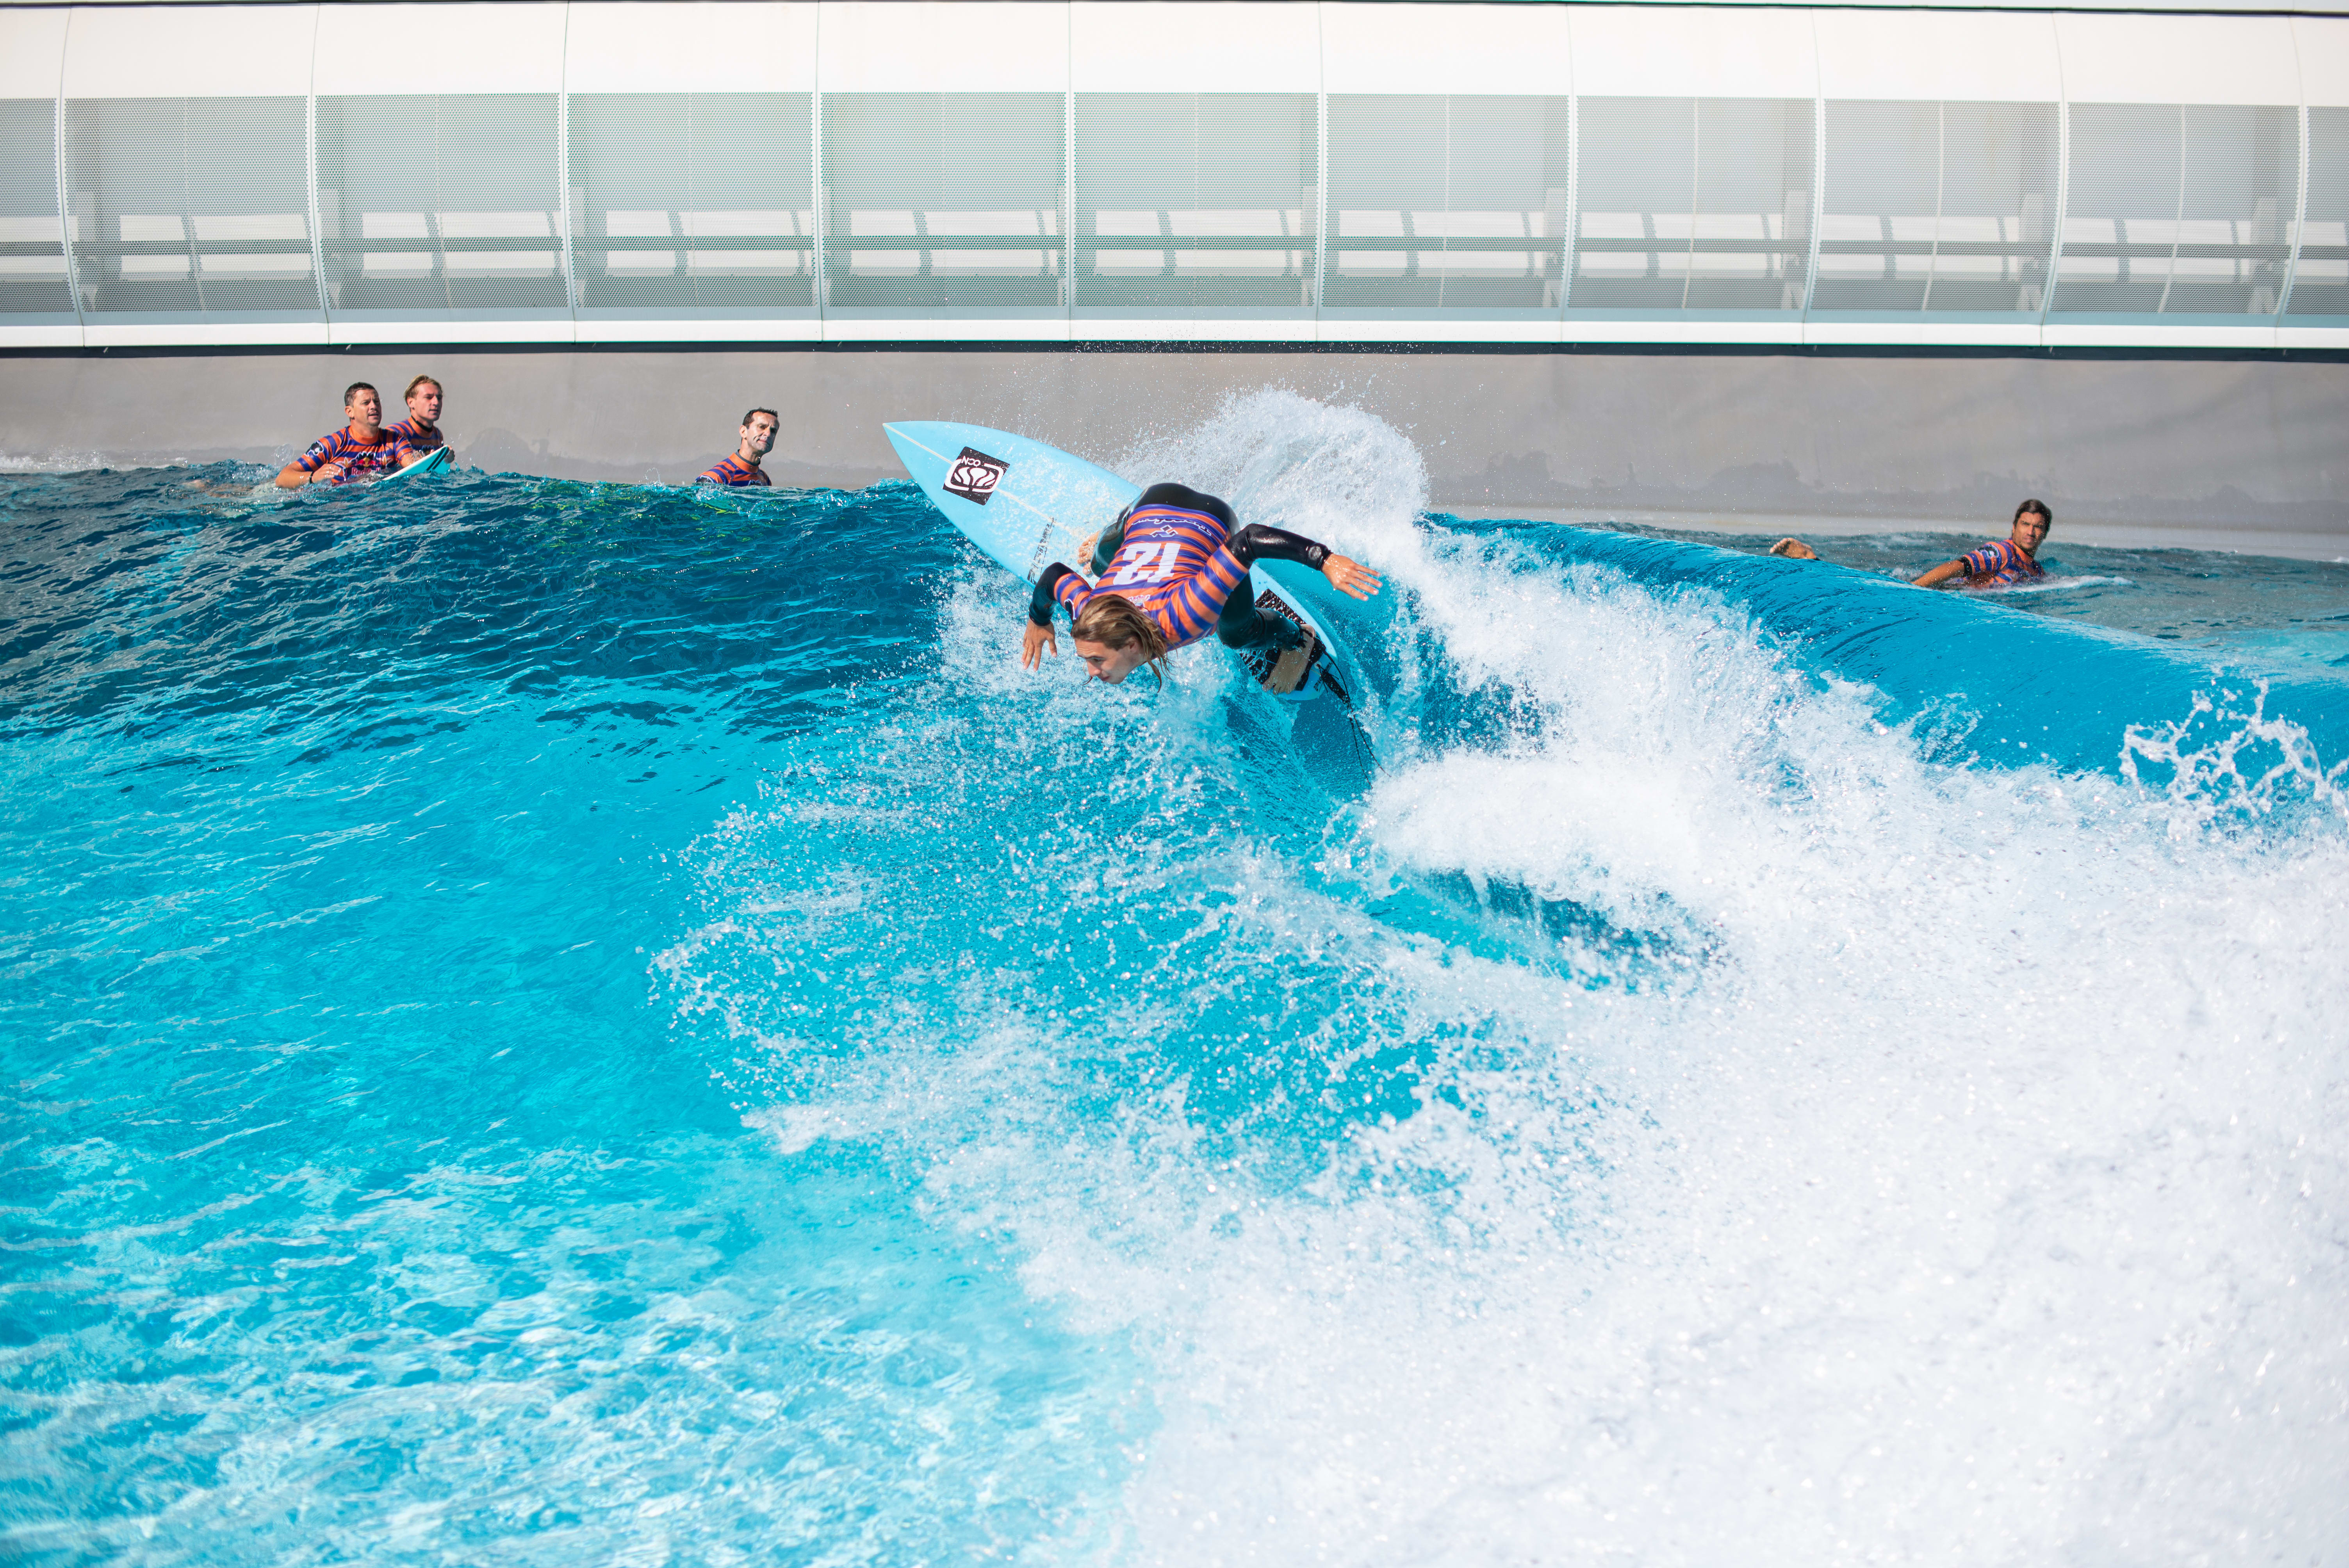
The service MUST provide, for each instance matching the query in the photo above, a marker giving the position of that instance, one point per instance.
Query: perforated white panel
(2179, 209)
(437, 203)
(190, 205)
(2321, 283)
(1693, 204)
(1936, 206)
(32, 238)
(1196, 200)
(934, 201)
(693, 201)
(1446, 202)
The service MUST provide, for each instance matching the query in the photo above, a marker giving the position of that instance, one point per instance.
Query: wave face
(550, 1022)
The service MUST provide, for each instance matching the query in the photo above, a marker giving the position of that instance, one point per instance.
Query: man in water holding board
(740, 467)
(1169, 571)
(2000, 564)
(421, 428)
(363, 449)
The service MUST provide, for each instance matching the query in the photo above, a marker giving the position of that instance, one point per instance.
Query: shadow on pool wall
(2209, 453)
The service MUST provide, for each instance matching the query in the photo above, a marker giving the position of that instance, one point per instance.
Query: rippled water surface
(548, 1023)
(2290, 616)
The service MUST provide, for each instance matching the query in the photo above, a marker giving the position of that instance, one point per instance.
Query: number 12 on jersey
(1146, 563)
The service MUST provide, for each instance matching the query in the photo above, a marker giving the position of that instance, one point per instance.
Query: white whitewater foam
(51, 462)
(1984, 1198)
(2057, 585)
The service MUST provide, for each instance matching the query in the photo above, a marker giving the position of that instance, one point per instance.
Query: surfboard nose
(924, 462)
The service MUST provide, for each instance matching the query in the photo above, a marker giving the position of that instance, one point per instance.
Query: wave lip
(1979, 682)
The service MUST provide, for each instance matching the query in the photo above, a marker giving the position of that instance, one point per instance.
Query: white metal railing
(1349, 46)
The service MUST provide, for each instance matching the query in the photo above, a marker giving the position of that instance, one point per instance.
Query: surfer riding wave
(1169, 571)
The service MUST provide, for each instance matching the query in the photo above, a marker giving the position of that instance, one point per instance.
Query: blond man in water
(421, 428)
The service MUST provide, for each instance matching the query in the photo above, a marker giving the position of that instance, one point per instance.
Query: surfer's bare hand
(1035, 641)
(1793, 549)
(1350, 576)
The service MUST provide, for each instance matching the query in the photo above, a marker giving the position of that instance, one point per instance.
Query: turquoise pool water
(2286, 616)
(552, 1022)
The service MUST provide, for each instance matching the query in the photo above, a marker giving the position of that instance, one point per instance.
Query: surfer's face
(759, 435)
(1107, 665)
(2031, 532)
(364, 410)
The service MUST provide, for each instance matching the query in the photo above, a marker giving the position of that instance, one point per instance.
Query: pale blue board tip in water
(436, 462)
(1027, 505)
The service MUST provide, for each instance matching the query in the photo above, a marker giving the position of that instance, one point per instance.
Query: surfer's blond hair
(1114, 620)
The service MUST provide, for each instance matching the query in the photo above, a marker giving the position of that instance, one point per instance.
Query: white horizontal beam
(215, 51)
(2202, 51)
(690, 46)
(876, 326)
(443, 48)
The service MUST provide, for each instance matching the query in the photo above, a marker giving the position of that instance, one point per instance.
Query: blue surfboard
(1027, 505)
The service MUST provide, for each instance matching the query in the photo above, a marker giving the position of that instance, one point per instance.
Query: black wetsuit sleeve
(1040, 602)
(1257, 543)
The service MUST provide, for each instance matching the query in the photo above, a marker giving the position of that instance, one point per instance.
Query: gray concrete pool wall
(2236, 453)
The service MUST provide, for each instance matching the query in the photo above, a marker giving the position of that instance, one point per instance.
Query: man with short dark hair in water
(740, 467)
(421, 428)
(1169, 571)
(2000, 564)
(363, 449)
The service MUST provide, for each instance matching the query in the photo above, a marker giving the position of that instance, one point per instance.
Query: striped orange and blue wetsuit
(730, 469)
(1180, 558)
(419, 437)
(1999, 564)
(360, 459)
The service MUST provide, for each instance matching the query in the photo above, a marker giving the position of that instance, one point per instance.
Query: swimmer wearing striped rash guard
(741, 465)
(421, 428)
(1169, 572)
(363, 449)
(2000, 564)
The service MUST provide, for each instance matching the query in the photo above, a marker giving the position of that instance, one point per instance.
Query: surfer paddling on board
(2000, 564)
(1172, 569)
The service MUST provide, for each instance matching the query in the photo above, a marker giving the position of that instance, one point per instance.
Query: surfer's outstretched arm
(1258, 541)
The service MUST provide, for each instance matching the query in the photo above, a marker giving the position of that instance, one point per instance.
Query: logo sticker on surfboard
(974, 476)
